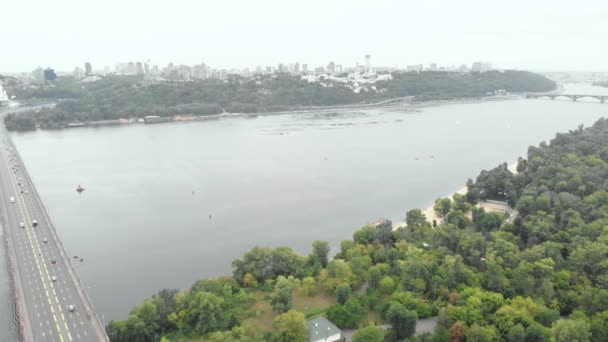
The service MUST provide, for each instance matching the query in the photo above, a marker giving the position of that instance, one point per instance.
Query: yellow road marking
(25, 214)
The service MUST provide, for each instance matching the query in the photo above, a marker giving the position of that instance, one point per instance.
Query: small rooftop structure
(380, 222)
(321, 329)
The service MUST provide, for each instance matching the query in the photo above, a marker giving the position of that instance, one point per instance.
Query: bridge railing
(85, 299)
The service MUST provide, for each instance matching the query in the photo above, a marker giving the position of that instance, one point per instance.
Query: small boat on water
(80, 189)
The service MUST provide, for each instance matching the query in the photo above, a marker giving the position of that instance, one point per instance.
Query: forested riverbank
(126, 97)
(485, 278)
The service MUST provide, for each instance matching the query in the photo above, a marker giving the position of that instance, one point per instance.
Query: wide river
(168, 204)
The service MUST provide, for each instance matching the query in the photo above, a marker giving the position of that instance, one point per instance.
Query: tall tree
(320, 252)
(291, 327)
(282, 298)
(572, 330)
(342, 293)
(369, 334)
(403, 321)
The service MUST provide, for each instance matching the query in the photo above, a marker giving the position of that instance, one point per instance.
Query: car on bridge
(53, 278)
(45, 240)
(12, 199)
(53, 261)
(71, 307)
(22, 225)
(34, 223)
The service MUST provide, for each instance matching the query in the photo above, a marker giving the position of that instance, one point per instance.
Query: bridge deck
(44, 289)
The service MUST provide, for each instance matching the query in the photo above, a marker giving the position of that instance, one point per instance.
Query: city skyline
(540, 35)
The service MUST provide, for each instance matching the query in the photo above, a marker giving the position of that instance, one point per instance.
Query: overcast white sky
(526, 34)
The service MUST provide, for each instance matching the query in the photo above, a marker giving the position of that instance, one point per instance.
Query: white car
(26, 192)
(22, 225)
(71, 307)
(53, 278)
(34, 223)
(12, 199)
(45, 240)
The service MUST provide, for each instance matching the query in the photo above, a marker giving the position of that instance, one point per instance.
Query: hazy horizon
(541, 35)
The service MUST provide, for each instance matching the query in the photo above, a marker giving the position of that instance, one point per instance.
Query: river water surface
(168, 204)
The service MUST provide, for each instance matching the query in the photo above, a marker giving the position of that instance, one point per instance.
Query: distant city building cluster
(357, 77)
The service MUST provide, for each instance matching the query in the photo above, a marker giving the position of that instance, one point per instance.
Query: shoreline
(405, 105)
(429, 212)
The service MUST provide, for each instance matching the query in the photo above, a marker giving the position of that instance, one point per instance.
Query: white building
(3, 97)
(414, 68)
(481, 66)
(322, 330)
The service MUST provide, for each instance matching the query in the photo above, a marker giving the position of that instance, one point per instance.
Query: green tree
(348, 315)
(320, 252)
(342, 292)
(200, 313)
(537, 333)
(517, 333)
(478, 333)
(387, 285)
(309, 286)
(291, 327)
(282, 298)
(369, 334)
(571, 331)
(402, 320)
(415, 219)
(442, 206)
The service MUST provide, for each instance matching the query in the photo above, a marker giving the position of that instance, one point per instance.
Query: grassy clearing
(263, 316)
(313, 305)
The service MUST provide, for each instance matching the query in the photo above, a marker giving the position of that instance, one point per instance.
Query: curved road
(46, 284)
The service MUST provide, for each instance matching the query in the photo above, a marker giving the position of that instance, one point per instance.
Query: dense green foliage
(115, 97)
(484, 278)
(429, 85)
(369, 334)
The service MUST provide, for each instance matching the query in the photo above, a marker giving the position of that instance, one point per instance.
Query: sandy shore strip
(429, 212)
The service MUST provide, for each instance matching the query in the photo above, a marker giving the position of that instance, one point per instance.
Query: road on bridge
(45, 282)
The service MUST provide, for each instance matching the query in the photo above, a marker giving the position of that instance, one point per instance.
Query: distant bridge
(573, 97)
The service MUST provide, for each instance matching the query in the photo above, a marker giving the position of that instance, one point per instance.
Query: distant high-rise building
(184, 72)
(414, 68)
(88, 69)
(139, 68)
(49, 74)
(368, 62)
(297, 68)
(304, 68)
(223, 74)
(281, 68)
(331, 67)
(481, 66)
(433, 66)
(78, 73)
(106, 69)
